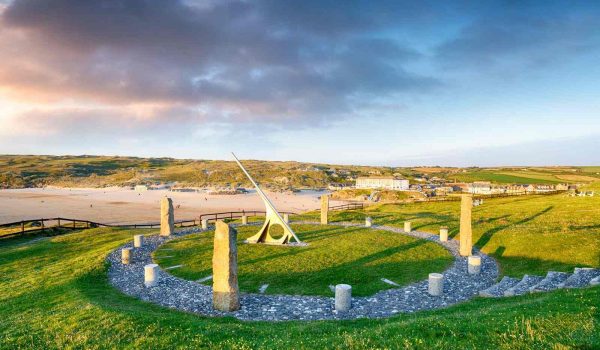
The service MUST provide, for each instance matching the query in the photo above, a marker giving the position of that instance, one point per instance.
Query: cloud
(230, 57)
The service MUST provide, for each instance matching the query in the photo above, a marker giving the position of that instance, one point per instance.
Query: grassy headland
(17, 171)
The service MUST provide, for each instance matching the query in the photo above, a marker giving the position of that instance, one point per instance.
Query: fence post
(59, 223)
(42, 225)
(22, 226)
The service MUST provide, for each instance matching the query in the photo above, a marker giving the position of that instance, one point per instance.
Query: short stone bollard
(343, 297)
(138, 241)
(368, 222)
(474, 264)
(443, 234)
(244, 219)
(205, 224)
(126, 256)
(151, 275)
(407, 226)
(286, 218)
(436, 284)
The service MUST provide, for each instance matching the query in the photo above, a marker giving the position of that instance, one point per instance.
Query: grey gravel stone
(580, 278)
(552, 281)
(189, 296)
(526, 283)
(497, 290)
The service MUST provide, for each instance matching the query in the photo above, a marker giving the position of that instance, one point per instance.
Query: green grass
(503, 178)
(356, 256)
(527, 234)
(54, 295)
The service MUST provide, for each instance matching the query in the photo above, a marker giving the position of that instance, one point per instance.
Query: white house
(382, 182)
(480, 187)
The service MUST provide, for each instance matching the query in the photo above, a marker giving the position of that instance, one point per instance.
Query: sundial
(272, 218)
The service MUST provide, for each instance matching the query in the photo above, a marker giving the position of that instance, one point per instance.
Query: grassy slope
(60, 299)
(356, 256)
(81, 171)
(529, 234)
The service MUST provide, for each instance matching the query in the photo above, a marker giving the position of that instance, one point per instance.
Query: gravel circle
(189, 296)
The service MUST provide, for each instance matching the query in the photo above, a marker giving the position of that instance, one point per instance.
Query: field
(530, 234)
(54, 291)
(356, 256)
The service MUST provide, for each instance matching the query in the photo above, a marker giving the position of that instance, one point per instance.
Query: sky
(398, 83)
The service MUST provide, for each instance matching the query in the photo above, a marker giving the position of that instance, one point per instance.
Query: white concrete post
(151, 275)
(343, 297)
(407, 226)
(436, 284)
(286, 218)
(443, 234)
(368, 222)
(474, 264)
(244, 219)
(138, 241)
(205, 224)
(126, 256)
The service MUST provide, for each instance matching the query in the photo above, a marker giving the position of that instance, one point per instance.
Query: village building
(480, 187)
(141, 188)
(382, 182)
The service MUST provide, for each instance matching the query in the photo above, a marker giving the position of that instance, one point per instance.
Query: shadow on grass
(487, 236)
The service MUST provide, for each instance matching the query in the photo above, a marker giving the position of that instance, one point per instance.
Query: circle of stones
(190, 296)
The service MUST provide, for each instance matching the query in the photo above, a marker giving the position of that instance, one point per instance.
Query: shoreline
(118, 205)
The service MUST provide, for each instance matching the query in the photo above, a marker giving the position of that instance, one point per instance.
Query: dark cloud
(273, 61)
(244, 59)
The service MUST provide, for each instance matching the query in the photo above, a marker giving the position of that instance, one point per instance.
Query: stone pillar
(474, 264)
(151, 275)
(343, 297)
(205, 224)
(167, 217)
(407, 226)
(324, 209)
(368, 222)
(138, 241)
(466, 243)
(286, 218)
(244, 219)
(226, 294)
(443, 234)
(436, 284)
(126, 256)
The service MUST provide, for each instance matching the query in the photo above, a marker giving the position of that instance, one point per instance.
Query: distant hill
(17, 171)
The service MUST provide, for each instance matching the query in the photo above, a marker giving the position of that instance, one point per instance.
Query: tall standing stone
(226, 294)
(466, 235)
(324, 209)
(167, 217)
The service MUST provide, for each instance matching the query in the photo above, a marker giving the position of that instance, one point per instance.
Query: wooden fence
(347, 206)
(12, 229)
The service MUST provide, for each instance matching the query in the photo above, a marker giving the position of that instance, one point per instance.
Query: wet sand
(121, 205)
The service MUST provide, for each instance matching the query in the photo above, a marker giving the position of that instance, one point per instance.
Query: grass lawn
(526, 234)
(356, 256)
(54, 295)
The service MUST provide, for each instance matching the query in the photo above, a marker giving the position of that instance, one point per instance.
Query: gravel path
(177, 293)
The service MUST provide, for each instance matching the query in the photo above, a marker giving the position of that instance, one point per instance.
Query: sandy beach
(123, 205)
